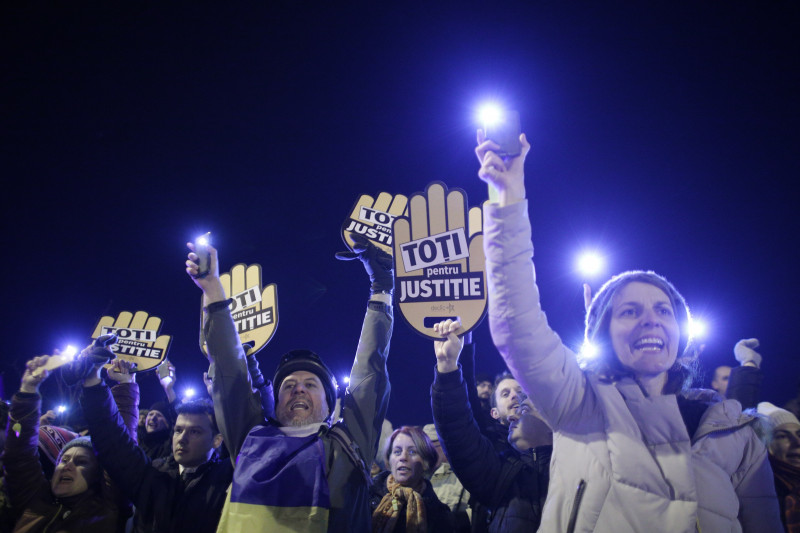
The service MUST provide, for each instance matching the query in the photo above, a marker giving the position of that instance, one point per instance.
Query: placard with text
(440, 269)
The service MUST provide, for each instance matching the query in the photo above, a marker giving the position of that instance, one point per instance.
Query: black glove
(377, 263)
(255, 372)
(81, 367)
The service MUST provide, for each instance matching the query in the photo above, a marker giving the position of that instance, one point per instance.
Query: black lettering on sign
(244, 299)
(434, 250)
(375, 233)
(145, 335)
(378, 217)
(257, 320)
(467, 286)
(138, 351)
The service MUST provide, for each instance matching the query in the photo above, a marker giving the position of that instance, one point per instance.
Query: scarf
(787, 481)
(386, 514)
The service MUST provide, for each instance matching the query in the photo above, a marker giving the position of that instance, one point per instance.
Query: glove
(82, 366)
(377, 263)
(255, 372)
(744, 352)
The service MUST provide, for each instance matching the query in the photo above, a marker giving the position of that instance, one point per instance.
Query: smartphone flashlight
(203, 257)
(504, 129)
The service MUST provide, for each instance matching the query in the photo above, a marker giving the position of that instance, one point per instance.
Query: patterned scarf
(788, 478)
(386, 514)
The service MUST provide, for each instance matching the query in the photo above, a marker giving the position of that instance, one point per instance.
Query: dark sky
(665, 133)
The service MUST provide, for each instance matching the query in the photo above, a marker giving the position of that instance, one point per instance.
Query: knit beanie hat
(83, 442)
(307, 360)
(53, 439)
(777, 415)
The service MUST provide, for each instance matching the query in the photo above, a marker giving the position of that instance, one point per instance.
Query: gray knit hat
(83, 442)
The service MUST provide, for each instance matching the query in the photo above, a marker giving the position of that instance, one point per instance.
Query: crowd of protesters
(620, 442)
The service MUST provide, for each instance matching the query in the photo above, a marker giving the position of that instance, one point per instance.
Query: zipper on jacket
(50, 523)
(573, 516)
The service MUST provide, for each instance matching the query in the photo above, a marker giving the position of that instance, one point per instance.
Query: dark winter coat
(511, 484)
(165, 502)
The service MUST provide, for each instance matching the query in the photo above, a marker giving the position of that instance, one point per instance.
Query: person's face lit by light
(643, 329)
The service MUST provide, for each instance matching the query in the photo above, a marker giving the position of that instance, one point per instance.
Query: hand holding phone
(505, 131)
(166, 372)
(203, 257)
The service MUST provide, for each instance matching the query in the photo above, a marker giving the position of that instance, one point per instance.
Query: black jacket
(512, 485)
(439, 516)
(164, 502)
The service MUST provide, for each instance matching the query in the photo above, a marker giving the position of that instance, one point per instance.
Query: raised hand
(33, 377)
(448, 348)
(507, 176)
(377, 263)
(48, 418)
(122, 371)
(745, 352)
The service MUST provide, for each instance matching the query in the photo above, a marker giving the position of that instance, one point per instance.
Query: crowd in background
(621, 442)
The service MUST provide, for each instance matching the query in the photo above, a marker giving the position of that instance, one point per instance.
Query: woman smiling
(635, 448)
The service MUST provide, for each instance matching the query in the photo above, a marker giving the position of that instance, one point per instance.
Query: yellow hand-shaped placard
(138, 339)
(255, 312)
(440, 269)
(373, 219)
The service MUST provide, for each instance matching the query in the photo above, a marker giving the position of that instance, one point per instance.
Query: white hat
(777, 415)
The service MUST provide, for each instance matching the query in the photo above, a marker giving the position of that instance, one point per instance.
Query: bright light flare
(202, 240)
(490, 114)
(188, 393)
(346, 380)
(589, 350)
(61, 409)
(70, 352)
(698, 328)
(590, 263)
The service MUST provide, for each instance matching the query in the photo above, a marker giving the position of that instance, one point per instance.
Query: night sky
(664, 133)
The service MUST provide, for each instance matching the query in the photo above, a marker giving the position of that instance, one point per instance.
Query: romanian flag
(279, 484)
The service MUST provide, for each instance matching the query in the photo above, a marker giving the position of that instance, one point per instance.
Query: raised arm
(472, 456)
(236, 406)
(546, 369)
(744, 384)
(365, 404)
(23, 473)
(112, 418)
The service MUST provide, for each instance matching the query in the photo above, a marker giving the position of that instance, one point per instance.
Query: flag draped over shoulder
(279, 484)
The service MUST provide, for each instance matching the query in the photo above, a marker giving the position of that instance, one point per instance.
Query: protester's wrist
(382, 296)
(29, 389)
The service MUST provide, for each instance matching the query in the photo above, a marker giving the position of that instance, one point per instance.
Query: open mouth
(299, 404)
(649, 344)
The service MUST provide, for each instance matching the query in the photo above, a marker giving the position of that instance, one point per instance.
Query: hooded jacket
(622, 462)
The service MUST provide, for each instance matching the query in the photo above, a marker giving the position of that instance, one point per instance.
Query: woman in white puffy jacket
(635, 449)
